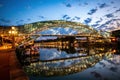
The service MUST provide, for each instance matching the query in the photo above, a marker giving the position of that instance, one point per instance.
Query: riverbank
(10, 68)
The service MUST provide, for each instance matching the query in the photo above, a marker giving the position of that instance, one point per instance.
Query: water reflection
(74, 63)
(56, 53)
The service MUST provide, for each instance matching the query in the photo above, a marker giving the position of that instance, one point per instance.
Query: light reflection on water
(96, 63)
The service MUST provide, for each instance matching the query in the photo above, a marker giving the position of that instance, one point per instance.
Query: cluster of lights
(13, 31)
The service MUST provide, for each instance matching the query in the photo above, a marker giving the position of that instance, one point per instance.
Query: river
(74, 63)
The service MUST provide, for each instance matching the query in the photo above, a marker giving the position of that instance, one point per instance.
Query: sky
(96, 13)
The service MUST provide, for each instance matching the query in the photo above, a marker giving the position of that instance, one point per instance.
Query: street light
(13, 32)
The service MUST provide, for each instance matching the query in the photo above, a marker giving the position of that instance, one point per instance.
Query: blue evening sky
(91, 12)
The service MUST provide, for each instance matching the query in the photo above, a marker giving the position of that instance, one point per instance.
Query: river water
(74, 63)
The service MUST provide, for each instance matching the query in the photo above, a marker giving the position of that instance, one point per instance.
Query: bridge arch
(33, 28)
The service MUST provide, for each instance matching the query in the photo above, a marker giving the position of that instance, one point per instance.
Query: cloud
(99, 20)
(103, 5)
(28, 7)
(108, 25)
(109, 15)
(95, 25)
(28, 19)
(78, 18)
(79, 4)
(72, 19)
(117, 10)
(92, 11)
(112, 2)
(1, 5)
(68, 5)
(114, 7)
(87, 21)
(68, 17)
(86, 3)
(75, 18)
(83, 4)
(19, 22)
(4, 20)
(41, 17)
(64, 16)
